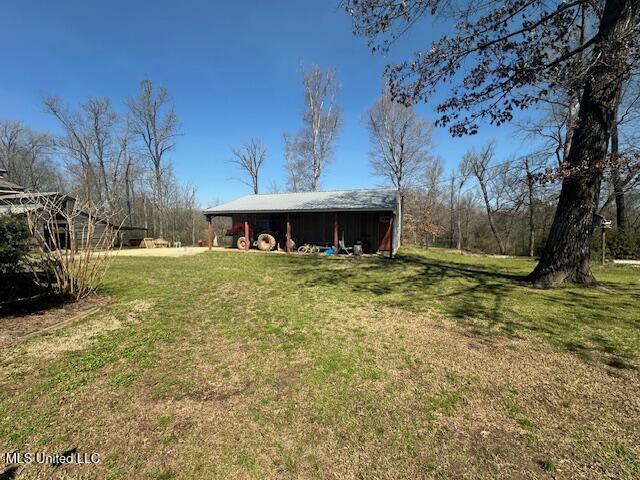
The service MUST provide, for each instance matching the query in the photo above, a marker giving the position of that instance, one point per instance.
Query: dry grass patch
(516, 407)
(75, 338)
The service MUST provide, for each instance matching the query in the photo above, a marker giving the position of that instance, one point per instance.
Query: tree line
(115, 158)
(575, 64)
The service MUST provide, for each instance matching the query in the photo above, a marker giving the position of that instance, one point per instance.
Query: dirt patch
(49, 317)
(158, 252)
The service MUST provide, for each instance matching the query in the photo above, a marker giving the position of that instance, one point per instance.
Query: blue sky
(231, 68)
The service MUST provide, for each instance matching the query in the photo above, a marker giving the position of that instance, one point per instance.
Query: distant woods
(116, 157)
(28, 157)
(504, 203)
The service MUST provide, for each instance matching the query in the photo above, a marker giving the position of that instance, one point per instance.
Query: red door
(384, 233)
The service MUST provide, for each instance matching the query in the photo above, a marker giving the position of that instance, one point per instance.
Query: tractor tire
(266, 242)
(241, 243)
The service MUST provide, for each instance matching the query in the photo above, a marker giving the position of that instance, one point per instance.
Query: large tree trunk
(566, 254)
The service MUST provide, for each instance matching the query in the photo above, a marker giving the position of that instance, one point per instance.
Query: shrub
(14, 243)
(619, 245)
(623, 245)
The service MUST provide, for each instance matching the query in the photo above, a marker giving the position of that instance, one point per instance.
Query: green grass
(431, 365)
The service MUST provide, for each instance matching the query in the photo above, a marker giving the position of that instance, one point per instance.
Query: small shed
(371, 217)
(21, 203)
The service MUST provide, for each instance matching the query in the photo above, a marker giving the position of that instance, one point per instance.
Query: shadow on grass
(21, 295)
(30, 305)
(488, 298)
(410, 281)
(10, 473)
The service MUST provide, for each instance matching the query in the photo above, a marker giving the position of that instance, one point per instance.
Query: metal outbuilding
(371, 217)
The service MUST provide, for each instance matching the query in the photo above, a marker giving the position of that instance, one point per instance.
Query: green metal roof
(333, 201)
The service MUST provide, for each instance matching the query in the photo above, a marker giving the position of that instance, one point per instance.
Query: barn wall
(80, 227)
(317, 227)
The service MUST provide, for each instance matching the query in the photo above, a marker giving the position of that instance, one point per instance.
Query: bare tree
(430, 224)
(88, 145)
(102, 120)
(479, 163)
(420, 216)
(296, 168)
(311, 148)
(26, 155)
(499, 189)
(273, 187)
(400, 142)
(464, 172)
(128, 162)
(10, 144)
(249, 159)
(155, 124)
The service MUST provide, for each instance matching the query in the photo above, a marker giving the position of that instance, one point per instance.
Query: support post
(391, 235)
(336, 238)
(246, 235)
(603, 244)
(209, 232)
(288, 239)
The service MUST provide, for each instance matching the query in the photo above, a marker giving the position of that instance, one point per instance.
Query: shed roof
(334, 201)
(19, 209)
(30, 195)
(19, 203)
(7, 186)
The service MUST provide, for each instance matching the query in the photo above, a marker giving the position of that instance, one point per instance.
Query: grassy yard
(434, 365)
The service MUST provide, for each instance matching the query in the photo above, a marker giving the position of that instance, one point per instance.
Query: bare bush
(73, 241)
